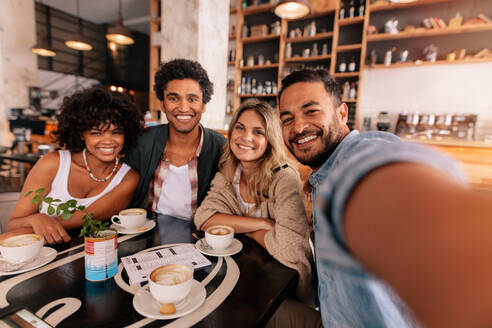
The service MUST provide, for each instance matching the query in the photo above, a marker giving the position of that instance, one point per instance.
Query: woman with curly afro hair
(95, 126)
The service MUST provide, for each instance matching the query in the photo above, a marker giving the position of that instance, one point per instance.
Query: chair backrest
(7, 204)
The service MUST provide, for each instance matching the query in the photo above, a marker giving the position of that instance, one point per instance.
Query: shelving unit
(345, 38)
(154, 56)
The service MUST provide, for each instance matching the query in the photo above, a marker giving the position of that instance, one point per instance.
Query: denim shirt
(349, 295)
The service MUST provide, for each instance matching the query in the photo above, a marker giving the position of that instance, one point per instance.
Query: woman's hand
(50, 229)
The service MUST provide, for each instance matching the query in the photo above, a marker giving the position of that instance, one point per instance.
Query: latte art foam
(219, 231)
(18, 241)
(171, 276)
(130, 212)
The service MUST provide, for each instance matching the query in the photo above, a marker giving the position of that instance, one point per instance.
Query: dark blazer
(145, 156)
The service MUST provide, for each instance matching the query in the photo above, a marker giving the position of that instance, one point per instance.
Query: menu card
(139, 266)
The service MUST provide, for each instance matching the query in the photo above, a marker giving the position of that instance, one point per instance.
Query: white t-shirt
(175, 197)
(245, 207)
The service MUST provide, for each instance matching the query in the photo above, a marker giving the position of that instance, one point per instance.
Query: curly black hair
(321, 75)
(180, 69)
(88, 108)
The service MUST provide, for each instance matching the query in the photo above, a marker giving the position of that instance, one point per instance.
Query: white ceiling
(135, 12)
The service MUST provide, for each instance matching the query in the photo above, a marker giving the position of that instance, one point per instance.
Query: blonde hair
(274, 156)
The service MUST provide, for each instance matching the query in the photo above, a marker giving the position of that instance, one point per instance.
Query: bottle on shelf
(342, 67)
(248, 86)
(353, 91)
(312, 30)
(361, 8)
(352, 9)
(324, 50)
(346, 89)
(244, 4)
(342, 10)
(315, 51)
(244, 31)
(253, 87)
(387, 58)
(351, 65)
(288, 50)
(274, 88)
(268, 87)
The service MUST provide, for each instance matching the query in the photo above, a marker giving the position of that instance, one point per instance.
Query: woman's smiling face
(248, 138)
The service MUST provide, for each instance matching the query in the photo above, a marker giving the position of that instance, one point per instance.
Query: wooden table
(245, 290)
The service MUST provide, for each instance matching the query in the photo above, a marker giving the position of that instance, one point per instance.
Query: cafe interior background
(419, 68)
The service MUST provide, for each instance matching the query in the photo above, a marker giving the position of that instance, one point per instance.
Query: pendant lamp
(292, 9)
(119, 34)
(43, 47)
(77, 41)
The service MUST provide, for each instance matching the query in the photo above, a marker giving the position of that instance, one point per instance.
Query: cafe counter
(475, 156)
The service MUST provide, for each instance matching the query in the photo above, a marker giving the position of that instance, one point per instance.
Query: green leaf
(40, 207)
(66, 215)
(63, 206)
(48, 200)
(58, 210)
(81, 207)
(36, 199)
(71, 203)
(28, 193)
(39, 191)
(51, 210)
(56, 200)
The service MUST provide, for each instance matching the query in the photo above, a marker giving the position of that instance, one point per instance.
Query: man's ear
(204, 108)
(342, 112)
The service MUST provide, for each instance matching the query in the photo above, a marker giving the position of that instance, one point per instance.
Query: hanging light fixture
(120, 34)
(77, 41)
(43, 47)
(292, 9)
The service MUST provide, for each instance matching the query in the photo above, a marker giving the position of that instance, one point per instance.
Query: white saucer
(146, 305)
(149, 225)
(235, 247)
(46, 255)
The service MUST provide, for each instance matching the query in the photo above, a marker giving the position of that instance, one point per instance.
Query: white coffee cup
(219, 237)
(131, 218)
(21, 248)
(171, 283)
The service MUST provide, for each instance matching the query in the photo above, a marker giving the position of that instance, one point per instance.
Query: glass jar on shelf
(383, 121)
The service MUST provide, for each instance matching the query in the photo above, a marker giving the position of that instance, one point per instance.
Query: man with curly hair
(177, 160)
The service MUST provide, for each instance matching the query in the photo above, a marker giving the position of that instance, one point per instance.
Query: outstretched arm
(429, 238)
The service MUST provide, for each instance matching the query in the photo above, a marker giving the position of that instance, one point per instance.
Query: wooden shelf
(351, 101)
(392, 6)
(231, 63)
(342, 75)
(425, 63)
(351, 21)
(349, 47)
(251, 10)
(307, 59)
(430, 32)
(258, 96)
(232, 11)
(257, 67)
(319, 36)
(232, 37)
(253, 39)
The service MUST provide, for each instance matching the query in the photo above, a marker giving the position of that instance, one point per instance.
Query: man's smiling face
(183, 104)
(312, 124)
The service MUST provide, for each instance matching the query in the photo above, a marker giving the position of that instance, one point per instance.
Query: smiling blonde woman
(257, 191)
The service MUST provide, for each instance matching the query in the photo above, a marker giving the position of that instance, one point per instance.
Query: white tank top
(59, 186)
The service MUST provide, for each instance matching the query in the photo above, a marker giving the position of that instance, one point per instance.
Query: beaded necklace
(90, 172)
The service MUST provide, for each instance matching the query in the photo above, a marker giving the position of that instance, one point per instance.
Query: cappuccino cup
(21, 248)
(219, 237)
(131, 218)
(171, 283)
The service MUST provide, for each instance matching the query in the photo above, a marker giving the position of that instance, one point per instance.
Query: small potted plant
(100, 241)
